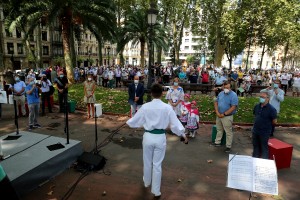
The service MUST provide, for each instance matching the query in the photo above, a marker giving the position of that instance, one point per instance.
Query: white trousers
(154, 149)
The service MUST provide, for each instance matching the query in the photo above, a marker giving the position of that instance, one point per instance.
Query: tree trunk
(219, 52)
(2, 67)
(142, 53)
(72, 47)
(100, 45)
(262, 56)
(121, 57)
(39, 49)
(66, 31)
(286, 49)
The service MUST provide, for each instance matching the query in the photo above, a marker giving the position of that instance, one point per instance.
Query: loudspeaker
(91, 161)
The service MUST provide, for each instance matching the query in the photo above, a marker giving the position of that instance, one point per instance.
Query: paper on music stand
(252, 174)
(3, 97)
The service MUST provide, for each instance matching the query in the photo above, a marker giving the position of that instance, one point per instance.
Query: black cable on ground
(71, 190)
(109, 138)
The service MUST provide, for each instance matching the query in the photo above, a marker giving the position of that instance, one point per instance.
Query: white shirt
(45, 86)
(296, 82)
(284, 79)
(110, 75)
(156, 115)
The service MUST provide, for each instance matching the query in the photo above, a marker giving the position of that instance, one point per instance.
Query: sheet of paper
(3, 97)
(265, 176)
(240, 172)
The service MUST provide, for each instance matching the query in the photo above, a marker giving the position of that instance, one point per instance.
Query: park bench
(255, 89)
(126, 83)
(203, 88)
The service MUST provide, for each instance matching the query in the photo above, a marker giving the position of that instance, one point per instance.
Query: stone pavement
(187, 174)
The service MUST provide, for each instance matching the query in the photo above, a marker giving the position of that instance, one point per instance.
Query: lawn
(115, 101)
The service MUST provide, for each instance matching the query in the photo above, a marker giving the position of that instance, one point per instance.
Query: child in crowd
(185, 107)
(193, 120)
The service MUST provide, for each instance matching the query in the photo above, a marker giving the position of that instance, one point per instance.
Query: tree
(136, 30)
(178, 18)
(190, 59)
(93, 13)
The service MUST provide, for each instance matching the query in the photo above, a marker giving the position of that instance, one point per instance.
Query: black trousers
(62, 100)
(46, 97)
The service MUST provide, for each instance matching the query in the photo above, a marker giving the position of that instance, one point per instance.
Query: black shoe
(227, 150)
(37, 126)
(215, 145)
(30, 127)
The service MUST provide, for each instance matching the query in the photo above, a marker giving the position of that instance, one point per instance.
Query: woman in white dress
(175, 96)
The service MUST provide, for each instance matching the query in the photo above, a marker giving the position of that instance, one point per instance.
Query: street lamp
(251, 56)
(108, 50)
(152, 15)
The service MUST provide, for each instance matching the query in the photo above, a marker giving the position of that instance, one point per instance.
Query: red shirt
(205, 77)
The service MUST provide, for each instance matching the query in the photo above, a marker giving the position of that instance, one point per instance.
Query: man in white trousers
(155, 117)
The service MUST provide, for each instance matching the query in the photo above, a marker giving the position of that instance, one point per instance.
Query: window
(45, 50)
(20, 48)
(10, 48)
(186, 40)
(8, 34)
(44, 35)
(18, 33)
(31, 38)
(186, 48)
(32, 48)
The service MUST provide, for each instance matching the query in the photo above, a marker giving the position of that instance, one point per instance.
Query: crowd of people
(181, 114)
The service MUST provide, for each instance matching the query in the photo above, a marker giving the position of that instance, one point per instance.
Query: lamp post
(152, 14)
(108, 50)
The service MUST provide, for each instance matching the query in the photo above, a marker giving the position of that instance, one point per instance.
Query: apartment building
(16, 57)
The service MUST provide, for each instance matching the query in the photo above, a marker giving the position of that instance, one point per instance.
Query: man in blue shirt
(225, 107)
(264, 118)
(33, 100)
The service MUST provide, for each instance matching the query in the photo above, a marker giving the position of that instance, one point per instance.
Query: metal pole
(149, 66)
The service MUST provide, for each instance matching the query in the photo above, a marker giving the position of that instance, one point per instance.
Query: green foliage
(190, 59)
(136, 30)
(116, 101)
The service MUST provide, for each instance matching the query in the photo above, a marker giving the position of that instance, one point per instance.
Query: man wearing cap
(61, 84)
(155, 117)
(18, 90)
(276, 97)
(225, 107)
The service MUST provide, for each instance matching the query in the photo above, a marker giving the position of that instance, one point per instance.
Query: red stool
(281, 152)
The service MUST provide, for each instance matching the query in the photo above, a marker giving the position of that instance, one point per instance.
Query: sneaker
(30, 128)
(37, 126)
(227, 150)
(214, 144)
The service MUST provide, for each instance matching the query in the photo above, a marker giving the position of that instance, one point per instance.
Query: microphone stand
(15, 109)
(96, 134)
(65, 96)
